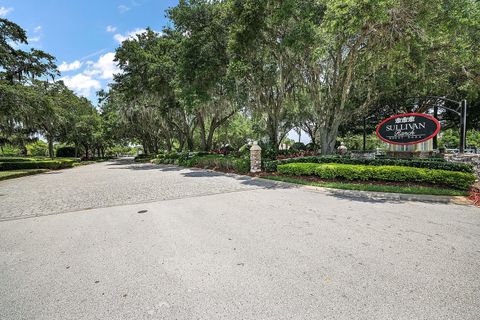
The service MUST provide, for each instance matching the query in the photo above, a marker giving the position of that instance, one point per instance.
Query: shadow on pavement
(360, 197)
(203, 174)
(120, 162)
(348, 195)
(379, 197)
(147, 166)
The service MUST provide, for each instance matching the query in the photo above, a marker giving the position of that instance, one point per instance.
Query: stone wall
(473, 159)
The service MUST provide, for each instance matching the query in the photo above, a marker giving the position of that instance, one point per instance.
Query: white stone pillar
(255, 158)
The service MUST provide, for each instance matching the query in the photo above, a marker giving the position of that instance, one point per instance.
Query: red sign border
(405, 115)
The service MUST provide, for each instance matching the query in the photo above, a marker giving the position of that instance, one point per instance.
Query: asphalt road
(211, 246)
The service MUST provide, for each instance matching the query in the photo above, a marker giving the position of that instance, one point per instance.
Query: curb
(353, 194)
(379, 196)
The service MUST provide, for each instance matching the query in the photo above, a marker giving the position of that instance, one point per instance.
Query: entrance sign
(408, 128)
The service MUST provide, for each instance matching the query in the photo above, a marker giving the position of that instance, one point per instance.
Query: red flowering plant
(475, 196)
(288, 155)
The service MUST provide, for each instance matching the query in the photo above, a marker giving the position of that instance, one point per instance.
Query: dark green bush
(144, 157)
(298, 146)
(67, 152)
(271, 166)
(205, 160)
(16, 159)
(38, 164)
(179, 158)
(458, 180)
(240, 165)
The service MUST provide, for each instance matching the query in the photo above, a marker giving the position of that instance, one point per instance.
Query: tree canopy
(225, 72)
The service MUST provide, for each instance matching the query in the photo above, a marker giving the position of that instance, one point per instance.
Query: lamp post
(460, 110)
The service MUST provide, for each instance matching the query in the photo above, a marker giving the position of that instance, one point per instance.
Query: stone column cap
(255, 146)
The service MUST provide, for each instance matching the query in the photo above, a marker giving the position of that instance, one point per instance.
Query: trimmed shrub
(204, 160)
(144, 157)
(16, 159)
(239, 165)
(38, 164)
(439, 164)
(37, 149)
(298, 146)
(66, 152)
(458, 180)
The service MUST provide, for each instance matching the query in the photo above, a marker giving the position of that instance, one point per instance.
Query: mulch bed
(368, 182)
(475, 194)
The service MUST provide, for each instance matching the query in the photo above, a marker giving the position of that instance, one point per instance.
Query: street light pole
(364, 133)
(435, 139)
(463, 126)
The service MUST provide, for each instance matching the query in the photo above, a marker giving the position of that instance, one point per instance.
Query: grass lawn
(4, 175)
(372, 187)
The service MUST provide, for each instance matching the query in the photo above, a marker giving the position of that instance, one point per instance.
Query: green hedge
(17, 159)
(144, 157)
(205, 160)
(439, 164)
(221, 162)
(458, 180)
(37, 164)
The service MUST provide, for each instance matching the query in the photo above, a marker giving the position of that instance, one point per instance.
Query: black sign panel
(408, 128)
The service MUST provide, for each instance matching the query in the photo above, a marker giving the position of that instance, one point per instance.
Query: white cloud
(4, 11)
(38, 35)
(34, 39)
(93, 76)
(70, 66)
(123, 8)
(82, 84)
(104, 68)
(111, 29)
(129, 35)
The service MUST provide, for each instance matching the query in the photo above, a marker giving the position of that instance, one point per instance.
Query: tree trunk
(51, 153)
(168, 144)
(24, 150)
(76, 150)
(328, 137)
(273, 133)
(203, 133)
(86, 151)
(190, 143)
(210, 138)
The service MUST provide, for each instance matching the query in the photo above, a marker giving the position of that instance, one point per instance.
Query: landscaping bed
(14, 167)
(202, 160)
(7, 164)
(4, 175)
(444, 178)
(419, 176)
(428, 163)
(375, 186)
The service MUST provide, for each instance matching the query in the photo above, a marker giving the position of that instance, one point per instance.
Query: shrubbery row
(36, 164)
(454, 179)
(439, 164)
(205, 160)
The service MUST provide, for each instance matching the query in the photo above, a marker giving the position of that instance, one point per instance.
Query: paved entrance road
(212, 246)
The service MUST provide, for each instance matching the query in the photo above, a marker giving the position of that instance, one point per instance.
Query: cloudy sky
(83, 34)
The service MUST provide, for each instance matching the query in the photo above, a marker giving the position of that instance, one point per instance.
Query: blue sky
(83, 34)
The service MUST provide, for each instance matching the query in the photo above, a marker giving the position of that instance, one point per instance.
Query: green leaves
(458, 180)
